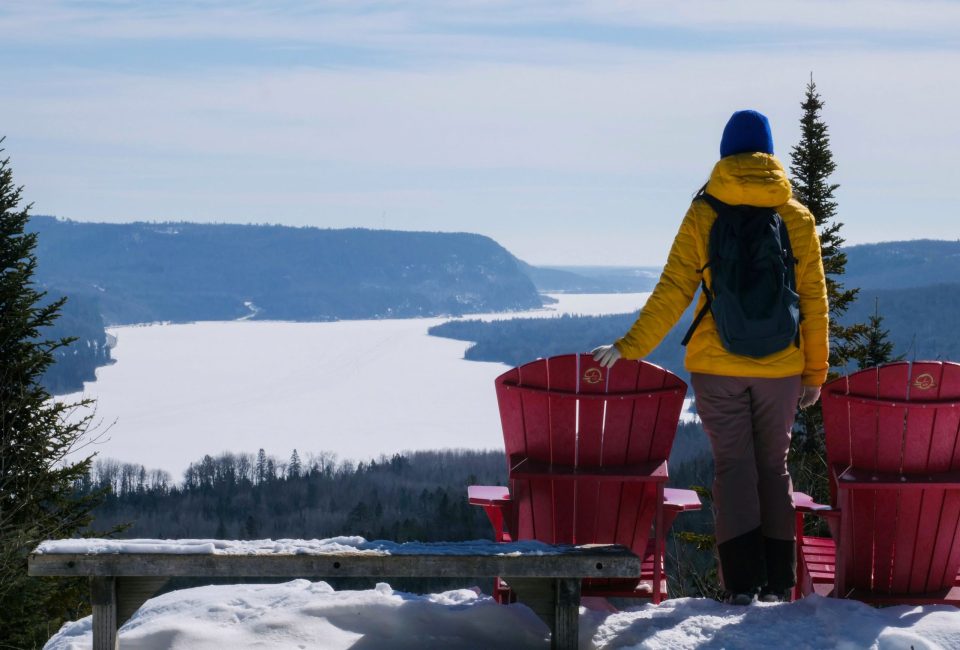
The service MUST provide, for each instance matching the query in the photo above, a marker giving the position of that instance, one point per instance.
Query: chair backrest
(568, 411)
(900, 419)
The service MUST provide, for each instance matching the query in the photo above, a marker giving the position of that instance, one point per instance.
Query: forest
(918, 308)
(147, 272)
(76, 363)
(519, 340)
(415, 496)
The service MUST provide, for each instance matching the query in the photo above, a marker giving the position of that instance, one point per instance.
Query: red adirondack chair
(893, 447)
(587, 455)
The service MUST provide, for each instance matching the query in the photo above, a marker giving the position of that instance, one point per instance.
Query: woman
(747, 403)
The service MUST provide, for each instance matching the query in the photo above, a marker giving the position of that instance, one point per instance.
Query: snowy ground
(355, 388)
(304, 614)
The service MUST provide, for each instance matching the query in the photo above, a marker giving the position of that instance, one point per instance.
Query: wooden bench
(546, 578)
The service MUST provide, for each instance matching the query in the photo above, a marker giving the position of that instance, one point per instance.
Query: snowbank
(304, 614)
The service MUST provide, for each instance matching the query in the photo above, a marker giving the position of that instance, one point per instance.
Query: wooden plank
(941, 567)
(681, 500)
(132, 593)
(592, 380)
(905, 536)
(103, 599)
(562, 375)
(488, 495)
(647, 422)
(950, 429)
(919, 509)
(583, 561)
(669, 406)
(616, 438)
(538, 595)
(536, 516)
(609, 397)
(646, 472)
(857, 546)
(855, 478)
(566, 625)
(514, 441)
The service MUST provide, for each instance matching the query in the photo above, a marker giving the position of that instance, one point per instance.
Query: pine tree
(295, 467)
(874, 346)
(37, 496)
(811, 167)
(261, 468)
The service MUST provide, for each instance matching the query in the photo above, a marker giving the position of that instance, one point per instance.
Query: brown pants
(748, 421)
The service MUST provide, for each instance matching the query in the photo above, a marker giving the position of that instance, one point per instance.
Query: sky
(571, 132)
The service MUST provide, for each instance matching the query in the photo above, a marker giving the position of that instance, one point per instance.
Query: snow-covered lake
(355, 388)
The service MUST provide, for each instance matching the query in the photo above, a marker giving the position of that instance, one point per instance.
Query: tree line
(414, 496)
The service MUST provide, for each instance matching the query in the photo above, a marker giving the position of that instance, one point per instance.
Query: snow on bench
(125, 573)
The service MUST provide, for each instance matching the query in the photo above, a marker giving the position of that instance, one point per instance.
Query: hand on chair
(606, 355)
(809, 397)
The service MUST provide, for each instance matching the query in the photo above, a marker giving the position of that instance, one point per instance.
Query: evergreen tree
(811, 167)
(261, 467)
(874, 346)
(295, 468)
(37, 496)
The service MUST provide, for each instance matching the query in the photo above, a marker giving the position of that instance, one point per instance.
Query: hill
(902, 264)
(912, 282)
(143, 272)
(593, 279)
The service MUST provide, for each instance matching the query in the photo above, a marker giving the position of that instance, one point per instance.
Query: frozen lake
(355, 388)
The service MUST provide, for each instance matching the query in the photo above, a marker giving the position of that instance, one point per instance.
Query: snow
(358, 389)
(304, 614)
(343, 544)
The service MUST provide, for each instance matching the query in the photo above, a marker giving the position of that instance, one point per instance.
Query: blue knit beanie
(746, 131)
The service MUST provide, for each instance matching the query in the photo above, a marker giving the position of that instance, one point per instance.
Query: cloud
(478, 115)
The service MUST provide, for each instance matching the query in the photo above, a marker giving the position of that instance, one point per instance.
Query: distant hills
(593, 279)
(914, 284)
(143, 272)
(902, 264)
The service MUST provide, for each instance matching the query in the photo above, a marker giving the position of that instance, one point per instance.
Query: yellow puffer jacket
(744, 179)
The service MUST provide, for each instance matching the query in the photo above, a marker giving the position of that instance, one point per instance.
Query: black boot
(742, 563)
(781, 560)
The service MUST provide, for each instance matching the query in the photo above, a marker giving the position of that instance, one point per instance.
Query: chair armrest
(496, 496)
(804, 503)
(853, 478)
(494, 499)
(680, 500)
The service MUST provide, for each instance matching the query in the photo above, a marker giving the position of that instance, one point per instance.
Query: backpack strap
(716, 204)
(703, 310)
(791, 266)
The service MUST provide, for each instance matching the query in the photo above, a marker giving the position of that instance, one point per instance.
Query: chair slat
(618, 424)
(892, 383)
(945, 557)
(562, 376)
(538, 524)
(592, 380)
(905, 538)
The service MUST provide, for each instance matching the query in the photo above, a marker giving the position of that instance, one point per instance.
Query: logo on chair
(593, 376)
(925, 382)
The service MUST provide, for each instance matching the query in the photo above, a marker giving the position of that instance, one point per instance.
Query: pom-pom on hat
(746, 131)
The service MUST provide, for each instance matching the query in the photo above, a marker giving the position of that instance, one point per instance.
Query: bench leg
(103, 597)
(566, 619)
